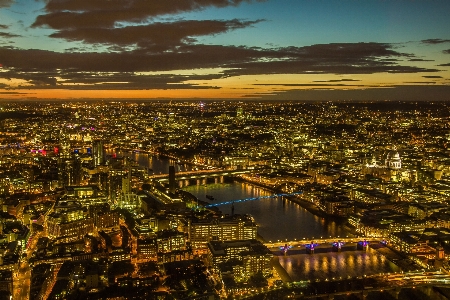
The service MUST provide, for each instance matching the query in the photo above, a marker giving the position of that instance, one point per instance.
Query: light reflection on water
(336, 264)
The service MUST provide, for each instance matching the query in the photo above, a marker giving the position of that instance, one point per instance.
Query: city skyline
(225, 49)
(172, 199)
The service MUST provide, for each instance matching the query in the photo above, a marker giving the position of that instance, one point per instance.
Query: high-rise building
(126, 183)
(239, 112)
(98, 153)
(65, 164)
(69, 171)
(128, 198)
(64, 143)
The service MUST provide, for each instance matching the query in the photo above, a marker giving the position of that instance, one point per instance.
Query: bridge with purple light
(253, 199)
(285, 248)
(338, 244)
(311, 246)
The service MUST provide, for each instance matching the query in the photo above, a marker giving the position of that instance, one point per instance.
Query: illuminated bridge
(253, 199)
(323, 240)
(323, 245)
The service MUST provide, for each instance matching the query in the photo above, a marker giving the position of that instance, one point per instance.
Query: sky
(225, 49)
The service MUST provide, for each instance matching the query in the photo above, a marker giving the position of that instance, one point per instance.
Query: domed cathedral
(391, 170)
(393, 160)
(393, 163)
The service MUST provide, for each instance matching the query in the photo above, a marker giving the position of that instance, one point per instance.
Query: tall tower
(64, 144)
(126, 185)
(98, 154)
(128, 199)
(239, 112)
(65, 163)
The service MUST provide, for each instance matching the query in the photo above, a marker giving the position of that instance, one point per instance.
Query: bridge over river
(323, 245)
(253, 199)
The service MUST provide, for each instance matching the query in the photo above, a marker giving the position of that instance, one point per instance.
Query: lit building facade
(248, 256)
(226, 229)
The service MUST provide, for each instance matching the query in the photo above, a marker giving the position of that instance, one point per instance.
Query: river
(156, 164)
(336, 264)
(277, 219)
(280, 219)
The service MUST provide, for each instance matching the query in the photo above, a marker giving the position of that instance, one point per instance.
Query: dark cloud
(88, 81)
(34, 78)
(8, 35)
(446, 51)
(134, 61)
(12, 93)
(6, 3)
(435, 41)
(3, 26)
(134, 81)
(400, 93)
(72, 14)
(444, 65)
(432, 76)
(156, 35)
(337, 80)
(104, 22)
(387, 60)
(332, 67)
(419, 59)
(40, 67)
(308, 84)
(420, 82)
(351, 58)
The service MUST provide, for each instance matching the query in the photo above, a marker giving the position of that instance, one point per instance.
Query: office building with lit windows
(170, 240)
(221, 229)
(147, 249)
(246, 257)
(68, 222)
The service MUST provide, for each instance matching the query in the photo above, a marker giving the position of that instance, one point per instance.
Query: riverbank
(397, 258)
(312, 208)
(281, 272)
(303, 203)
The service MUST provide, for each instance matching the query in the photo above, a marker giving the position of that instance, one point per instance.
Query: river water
(336, 264)
(156, 164)
(278, 219)
(281, 220)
